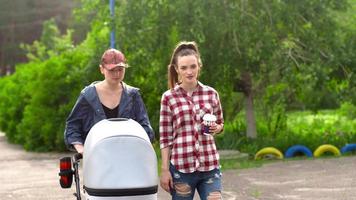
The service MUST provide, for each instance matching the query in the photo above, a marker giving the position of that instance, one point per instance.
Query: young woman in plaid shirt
(190, 160)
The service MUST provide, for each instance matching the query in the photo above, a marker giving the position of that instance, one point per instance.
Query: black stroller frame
(76, 159)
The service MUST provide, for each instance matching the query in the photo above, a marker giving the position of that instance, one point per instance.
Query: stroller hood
(119, 160)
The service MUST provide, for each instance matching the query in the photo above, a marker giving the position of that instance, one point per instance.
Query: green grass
(326, 121)
(240, 164)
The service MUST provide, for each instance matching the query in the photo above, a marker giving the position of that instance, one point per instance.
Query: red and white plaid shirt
(180, 127)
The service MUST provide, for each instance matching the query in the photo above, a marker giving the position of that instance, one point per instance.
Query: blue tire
(348, 148)
(291, 151)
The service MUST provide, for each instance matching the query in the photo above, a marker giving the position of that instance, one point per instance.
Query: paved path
(34, 176)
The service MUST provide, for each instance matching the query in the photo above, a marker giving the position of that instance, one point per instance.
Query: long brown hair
(183, 48)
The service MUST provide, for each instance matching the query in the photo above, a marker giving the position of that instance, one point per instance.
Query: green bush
(14, 98)
(348, 109)
(36, 100)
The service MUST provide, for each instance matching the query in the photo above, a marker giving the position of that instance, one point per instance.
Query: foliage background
(300, 54)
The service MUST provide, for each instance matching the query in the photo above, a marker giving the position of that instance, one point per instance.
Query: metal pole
(112, 34)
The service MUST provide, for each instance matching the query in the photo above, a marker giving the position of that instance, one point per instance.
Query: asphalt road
(34, 176)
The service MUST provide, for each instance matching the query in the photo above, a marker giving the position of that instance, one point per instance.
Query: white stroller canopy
(119, 160)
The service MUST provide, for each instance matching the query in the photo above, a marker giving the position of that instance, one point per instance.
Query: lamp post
(112, 13)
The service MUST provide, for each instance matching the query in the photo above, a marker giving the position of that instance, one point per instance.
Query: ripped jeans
(208, 184)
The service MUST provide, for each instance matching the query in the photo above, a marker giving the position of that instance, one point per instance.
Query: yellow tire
(268, 151)
(326, 148)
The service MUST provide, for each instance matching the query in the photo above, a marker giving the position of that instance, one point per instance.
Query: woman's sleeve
(218, 112)
(165, 124)
(73, 133)
(142, 117)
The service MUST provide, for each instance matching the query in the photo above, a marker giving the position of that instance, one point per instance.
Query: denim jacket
(88, 110)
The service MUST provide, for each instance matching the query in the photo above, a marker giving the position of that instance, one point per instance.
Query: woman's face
(113, 75)
(188, 69)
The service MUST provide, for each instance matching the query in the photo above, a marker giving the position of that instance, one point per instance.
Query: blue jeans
(206, 183)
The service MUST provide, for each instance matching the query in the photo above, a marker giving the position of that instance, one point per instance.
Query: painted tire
(268, 151)
(291, 151)
(326, 148)
(348, 148)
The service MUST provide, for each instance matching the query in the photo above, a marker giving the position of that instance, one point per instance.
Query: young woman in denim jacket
(110, 98)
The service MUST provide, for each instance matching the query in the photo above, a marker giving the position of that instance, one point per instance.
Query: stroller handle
(77, 156)
(118, 119)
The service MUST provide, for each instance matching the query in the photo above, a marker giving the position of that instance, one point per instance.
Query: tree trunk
(250, 117)
(244, 85)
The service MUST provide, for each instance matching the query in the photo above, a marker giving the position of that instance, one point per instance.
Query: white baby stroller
(119, 163)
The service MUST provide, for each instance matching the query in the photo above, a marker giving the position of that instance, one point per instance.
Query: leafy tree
(268, 56)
